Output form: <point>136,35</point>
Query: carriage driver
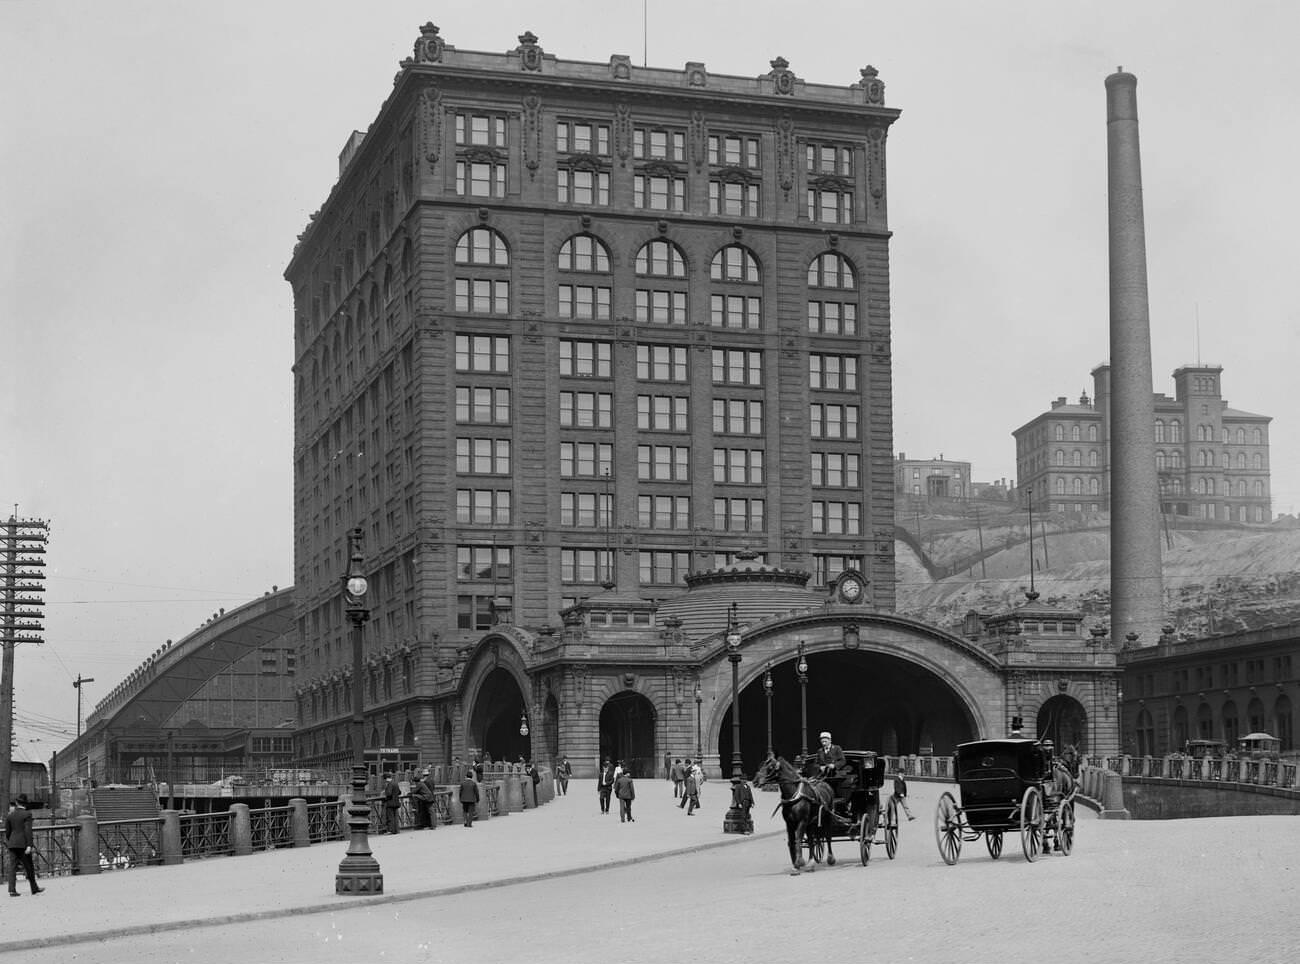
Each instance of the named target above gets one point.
<point>830,758</point>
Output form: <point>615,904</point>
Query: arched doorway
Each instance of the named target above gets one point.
<point>627,732</point>
<point>1064,721</point>
<point>867,700</point>
<point>494,723</point>
<point>1182,730</point>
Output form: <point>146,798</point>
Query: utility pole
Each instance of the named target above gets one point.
<point>22,548</point>
<point>78,683</point>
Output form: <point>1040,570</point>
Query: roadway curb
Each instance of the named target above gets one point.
<point>348,903</point>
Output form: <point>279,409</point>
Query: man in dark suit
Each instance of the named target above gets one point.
<point>605,784</point>
<point>392,803</point>
<point>469,796</point>
<point>830,757</point>
<point>626,793</point>
<point>19,839</point>
<point>422,792</point>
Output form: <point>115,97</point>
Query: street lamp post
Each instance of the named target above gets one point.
<point>699,745</point>
<point>801,670</point>
<point>767,691</point>
<point>523,731</point>
<point>359,871</point>
<point>737,819</point>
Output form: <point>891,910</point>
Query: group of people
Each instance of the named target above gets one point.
<point>686,778</point>
<point>423,792</point>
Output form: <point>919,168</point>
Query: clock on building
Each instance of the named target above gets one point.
<point>850,588</point>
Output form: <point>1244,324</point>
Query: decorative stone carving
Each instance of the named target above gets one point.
<point>782,76</point>
<point>429,47</point>
<point>694,74</point>
<point>697,138</point>
<point>532,133</point>
<point>785,154</point>
<point>876,164</point>
<point>623,133</point>
<point>530,54</point>
<point>872,88</point>
<point>431,126</point>
<point>620,67</point>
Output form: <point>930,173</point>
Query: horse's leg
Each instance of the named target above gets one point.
<point>796,846</point>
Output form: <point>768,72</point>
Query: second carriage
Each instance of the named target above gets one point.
<point>858,813</point>
<point>1007,786</point>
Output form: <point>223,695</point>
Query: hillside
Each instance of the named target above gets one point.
<point>1217,578</point>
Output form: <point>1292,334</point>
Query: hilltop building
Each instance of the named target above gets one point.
<point>1211,459</point>
<point>937,478</point>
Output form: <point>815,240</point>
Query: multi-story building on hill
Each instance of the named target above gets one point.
<point>1211,459</point>
<point>938,478</point>
<point>597,357</point>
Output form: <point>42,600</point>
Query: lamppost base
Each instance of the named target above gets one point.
<point>737,821</point>
<point>359,871</point>
<point>361,878</point>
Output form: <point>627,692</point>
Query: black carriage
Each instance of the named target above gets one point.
<point>857,810</point>
<point>1006,786</point>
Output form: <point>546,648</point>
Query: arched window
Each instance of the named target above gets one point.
<point>1241,460</point>
<point>1076,457</point>
<point>1258,436</point>
<point>736,299</point>
<point>408,259</point>
<point>1092,458</point>
<point>1078,486</point>
<point>1209,487</point>
<point>1259,487</point>
<point>584,254</point>
<point>1160,430</point>
<point>1175,431</point>
<point>1092,433</point>
<point>1060,486</point>
<point>832,296</point>
<point>1075,433</point>
<point>1175,459</point>
<point>482,283</point>
<point>1058,434</point>
<point>1241,436</point>
<point>1160,460</point>
<point>1257,461</point>
<point>661,284</point>
<point>1146,733</point>
<point>1060,456</point>
<point>1241,487</point>
<point>1094,487</point>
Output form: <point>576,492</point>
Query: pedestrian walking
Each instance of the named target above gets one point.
<point>690,790</point>
<point>392,799</point>
<point>900,793</point>
<point>605,785</point>
<point>562,773</point>
<point>678,775</point>
<point>423,794</point>
<point>19,839</point>
<point>626,793</point>
<point>469,796</point>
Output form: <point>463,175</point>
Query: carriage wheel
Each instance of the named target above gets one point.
<point>993,840</point>
<point>947,828</point>
<point>864,838</point>
<point>1031,824</point>
<point>1065,827</point>
<point>891,828</point>
<point>815,849</point>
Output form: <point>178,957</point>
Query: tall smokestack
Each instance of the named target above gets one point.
<point>1136,580</point>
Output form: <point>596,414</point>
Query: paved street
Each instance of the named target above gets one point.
<point>1181,891</point>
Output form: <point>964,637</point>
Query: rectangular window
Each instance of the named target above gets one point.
<point>663,568</point>
<point>829,159</point>
<point>488,130</point>
<point>482,506</point>
<point>588,460</point>
<point>736,311</point>
<point>836,470</point>
<point>737,416</point>
<point>738,466</point>
<point>584,301</point>
<point>737,366</point>
<point>481,178</point>
<point>661,307</point>
<point>833,421</point>
<point>655,192</point>
<point>662,413</point>
<point>482,353</point>
<point>586,565</point>
<point>832,318</point>
<point>833,372</point>
<point>826,569</point>
<point>586,509</point>
<point>482,406</point>
<point>735,198</point>
<point>661,363</point>
<point>586,409</point>
<point>738,515</point>
<point>733,150</point>
<point>586,359</point>
<point>582,137</point>
<point>663,463</point>
<point>474,612</point>
<point>664,511</point>
<point>582,187</point>
<point>837,518</point>
<point>484,296</point>
<point>483,456</point>
<point>649,144</point>
<point>483,563</point>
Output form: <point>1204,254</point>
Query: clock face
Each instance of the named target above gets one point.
<point>851,589</point>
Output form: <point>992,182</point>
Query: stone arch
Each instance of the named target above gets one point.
<point>408,734</point>
<point>627,727</point>
<point>1063,720</point>
<point>494,697</point>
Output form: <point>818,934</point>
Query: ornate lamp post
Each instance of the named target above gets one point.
<point>767,691</point>
<point>801,671</point>
<point>359,871</point>
<point>736,820</point>
<point>699,745</point>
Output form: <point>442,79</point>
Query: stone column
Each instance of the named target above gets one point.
<point>171,837</point>
<point>87,844</point>
<point>1136,579</point>
<point>241,830</point>
<point>299,828</point>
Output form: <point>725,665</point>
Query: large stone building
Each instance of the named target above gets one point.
<point>937,478</point>
<point>597,356</point>
<point>1211,459</point>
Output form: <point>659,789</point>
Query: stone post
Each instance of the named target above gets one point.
<point>457,810</point>
<point>241,830</point>
<point>171,837</point>
<point>299,827</point>
<point>87,844</point>
<point>512,796</point>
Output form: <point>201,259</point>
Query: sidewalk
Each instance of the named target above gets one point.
<point>568,835</point>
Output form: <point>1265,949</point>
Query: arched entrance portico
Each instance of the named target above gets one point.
<point>1063,720</point>
<point>494,720</point>
<point>627,732</point>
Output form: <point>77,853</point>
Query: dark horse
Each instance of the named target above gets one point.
<point>808,806</point>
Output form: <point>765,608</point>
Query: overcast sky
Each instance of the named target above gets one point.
<point>158,159</point>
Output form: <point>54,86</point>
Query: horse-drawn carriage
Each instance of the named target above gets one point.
<point>1007,786</point>
<point>842,807</point>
